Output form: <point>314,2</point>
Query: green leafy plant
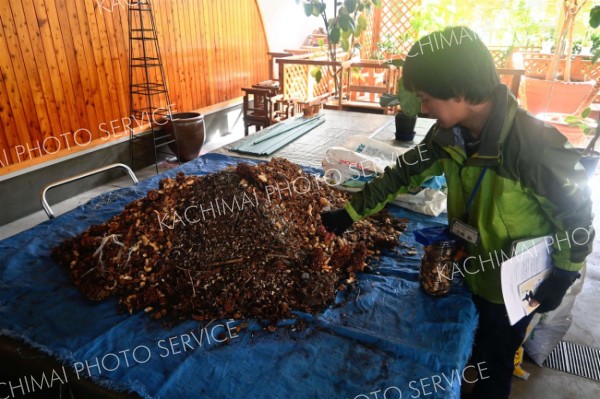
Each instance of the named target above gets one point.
<point>343,29</point>
<point>594,23</point>
<point>409,103</point>
<point>577,46</point>
<point>581,121</point>
<point>595,44</point>
<point>526,30</point>
<point>584,123</point>
<point>385,47</point>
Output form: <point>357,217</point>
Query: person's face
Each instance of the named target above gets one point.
<point>448,113</point>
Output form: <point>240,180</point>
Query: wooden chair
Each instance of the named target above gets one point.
<point>283,109</point>
<point>366,81</point>
<point>258,108</point>
<point>263,106</point>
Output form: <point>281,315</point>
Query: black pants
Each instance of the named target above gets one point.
<point>496,342</point>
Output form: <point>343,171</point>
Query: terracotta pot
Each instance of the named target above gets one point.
<point>308,111</point>
<point>556,96</point>
<point>573,133</point>
<point>405,127</point>
<point>189,129</point>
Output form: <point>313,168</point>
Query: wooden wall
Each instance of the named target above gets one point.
<point>64,68</point>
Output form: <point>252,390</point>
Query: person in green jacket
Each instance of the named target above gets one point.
<point>510,177</point>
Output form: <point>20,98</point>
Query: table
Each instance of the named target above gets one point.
<point>386,133</point>
<point>309,150</point>
<point>387,335</point>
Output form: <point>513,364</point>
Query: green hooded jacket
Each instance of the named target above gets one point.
<point>533,186</point>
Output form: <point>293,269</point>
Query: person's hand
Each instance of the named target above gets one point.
<point>336,221</point>
<point>550,293</point>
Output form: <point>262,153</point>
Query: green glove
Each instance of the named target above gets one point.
<point>336,221</point>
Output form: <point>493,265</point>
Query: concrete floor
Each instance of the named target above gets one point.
<point>542,383</point>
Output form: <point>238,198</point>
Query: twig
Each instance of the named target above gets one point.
<point>88,272</point>
<point>277,256</point>
<point>227,262</point>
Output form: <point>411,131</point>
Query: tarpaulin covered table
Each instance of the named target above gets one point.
<point>386,335</point>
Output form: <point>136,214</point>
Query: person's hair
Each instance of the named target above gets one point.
<point>451,63</point>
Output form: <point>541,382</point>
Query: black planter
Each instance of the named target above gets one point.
<point>589,162</point>
<point>405,127</point>
<point>189,127</point>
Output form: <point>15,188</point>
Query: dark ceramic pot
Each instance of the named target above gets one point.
<point>405,127</point>
<point>589,162</point>
<point>188,127</point>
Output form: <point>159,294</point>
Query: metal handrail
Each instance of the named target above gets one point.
<point>61,182</point>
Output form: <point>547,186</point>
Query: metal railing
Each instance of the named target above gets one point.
<point>80,176</point>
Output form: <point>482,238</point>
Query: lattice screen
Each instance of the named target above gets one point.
<point>300,85</point>
<point>588,71</point>
<point>536,65</point>
<point>296,78</point>
<point>395,20</point>
<point>326,85</point>
<point>367,41</point>
<point>500,56</point>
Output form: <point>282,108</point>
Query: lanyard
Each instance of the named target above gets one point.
<point>475,189</point>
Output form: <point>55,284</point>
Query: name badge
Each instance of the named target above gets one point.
<point>464,231</point>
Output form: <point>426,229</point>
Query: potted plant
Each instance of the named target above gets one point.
<point>573,127</point>
<point>410,105</point>
<point>550,94</point>
<point>590,157</point>
<point>576,127</point>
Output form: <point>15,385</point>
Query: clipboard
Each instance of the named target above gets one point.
<point>522,274</point>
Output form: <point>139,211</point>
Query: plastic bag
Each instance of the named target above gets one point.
<point>427,201</point>
<point>546,330</point>
<point>364,156</point>
<point>361,159</point>
<point>430,235</point>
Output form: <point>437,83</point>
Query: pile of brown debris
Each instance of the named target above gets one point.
<point>244,242</point>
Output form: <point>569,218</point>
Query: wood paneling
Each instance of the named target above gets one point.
<point>64,68</point>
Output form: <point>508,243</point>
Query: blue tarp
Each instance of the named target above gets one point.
<point>387,335</point>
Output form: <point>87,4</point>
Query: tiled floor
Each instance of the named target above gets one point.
<point>543,383</point>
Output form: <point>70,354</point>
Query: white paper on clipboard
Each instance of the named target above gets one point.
<point>523,273</point>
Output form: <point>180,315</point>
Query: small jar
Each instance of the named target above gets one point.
<point>435,275</point>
